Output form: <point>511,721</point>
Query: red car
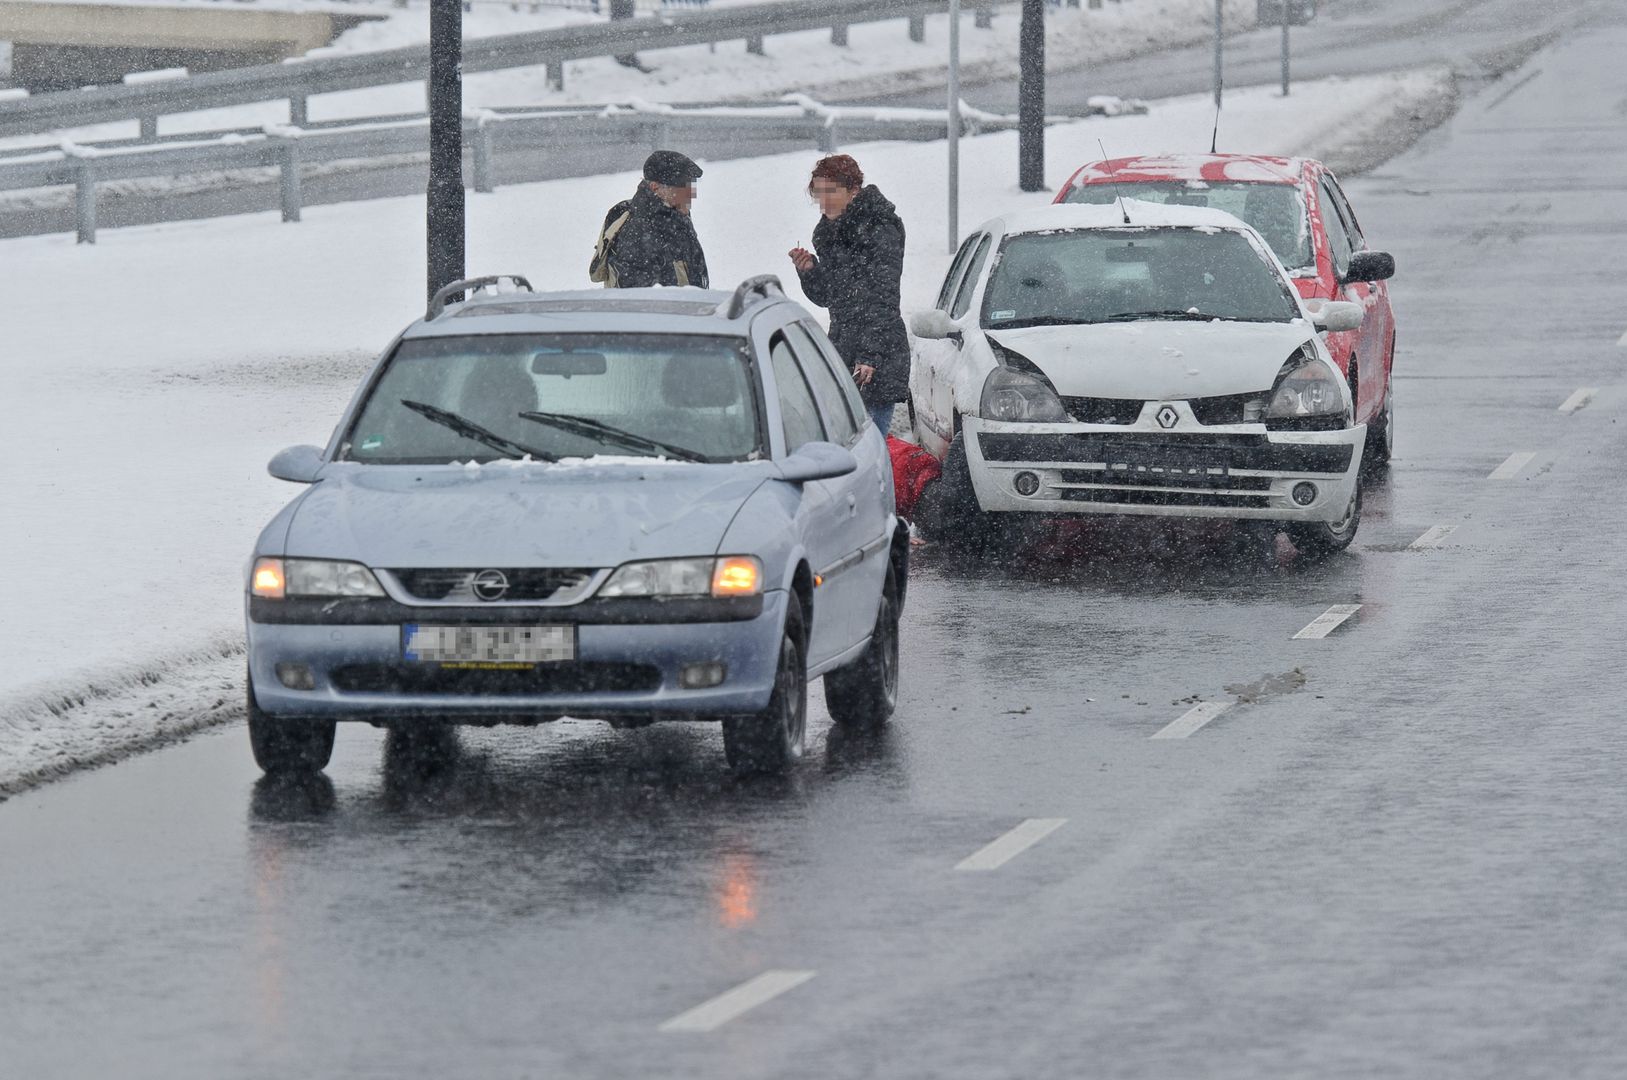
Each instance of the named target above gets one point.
<point>1296,204</point>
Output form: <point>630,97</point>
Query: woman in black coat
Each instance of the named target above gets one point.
<point>856,271</point>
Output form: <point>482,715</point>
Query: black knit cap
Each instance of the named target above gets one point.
<point>671,168</point>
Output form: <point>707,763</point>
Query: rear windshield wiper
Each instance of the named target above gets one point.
<point>594,429</point>
<point>471,430</point>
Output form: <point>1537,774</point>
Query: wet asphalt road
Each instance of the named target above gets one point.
<point>1398,853</point>
<point>1471,36</point>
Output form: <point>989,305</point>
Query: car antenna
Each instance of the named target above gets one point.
<point>1118,192</point>
<point>1214,138</point>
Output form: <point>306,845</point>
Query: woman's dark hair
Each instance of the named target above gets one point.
<point>840,169</point>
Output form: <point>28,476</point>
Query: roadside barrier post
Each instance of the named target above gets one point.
<point>288,154</point>
<point>85,202</point>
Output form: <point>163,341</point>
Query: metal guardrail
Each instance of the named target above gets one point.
<point>488,136</point>
<point>300,78</point>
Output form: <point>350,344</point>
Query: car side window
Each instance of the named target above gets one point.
<point>798,414</point>
<point>839,422</point>
<point>1346,211</point>
<point>1338,236</point>
<point>968,284</point>
<point>844,376</point>
<point>956,268</point>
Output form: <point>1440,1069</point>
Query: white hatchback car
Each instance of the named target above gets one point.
<point>1134,359</point>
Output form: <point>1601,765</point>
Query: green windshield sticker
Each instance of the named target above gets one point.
<point>372,442</point>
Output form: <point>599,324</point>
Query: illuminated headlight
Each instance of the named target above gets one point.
<point>275,579</point>
<point>1308,390</point>
<point>1016,397</point>
<point>732,575</point>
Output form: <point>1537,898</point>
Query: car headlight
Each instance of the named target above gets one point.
<point>731,575</point>
<point>276,579</point>
<point>1017,397</point>
<point>1309,395</point>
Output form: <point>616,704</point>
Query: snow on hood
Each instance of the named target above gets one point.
<point>581,515</point>
<point>1159,361</point>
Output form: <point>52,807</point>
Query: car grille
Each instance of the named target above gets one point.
<point>1094,410</point>
<point>1166,488</point>
<point>1122,479</point>
<point>524,585</point>
<point>577,678</point>
<point>1247,452</point>
<point>1213,411</point>
<point>1133,497</point>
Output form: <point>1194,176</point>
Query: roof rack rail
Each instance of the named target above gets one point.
<point>443,295</point>
<point>763,285</point>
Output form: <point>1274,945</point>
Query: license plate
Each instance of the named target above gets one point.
<point>488,645</point>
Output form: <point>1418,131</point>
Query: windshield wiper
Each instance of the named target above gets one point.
<point>471,430</point>
<point>594,429</point>
<point>1037,320</point>
<point>1189,314</point>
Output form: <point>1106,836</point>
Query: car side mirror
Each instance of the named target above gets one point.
<point>1370,266</point>
<point>1338,316</point>
<point>817,461</point>
<point>297,464</point>
<point>934,325</point>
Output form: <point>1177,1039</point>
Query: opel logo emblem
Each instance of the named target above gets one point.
<point>1168,417</point>
<point>490,584</point>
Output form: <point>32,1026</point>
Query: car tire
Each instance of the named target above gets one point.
<point>1381,433</point>
<point>769,743</point>
<point>956,520</point>
<point>862,695</point>
<point>286,747</point>
<point>1325,537</point>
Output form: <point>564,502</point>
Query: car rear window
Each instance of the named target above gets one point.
<point>690,392</point>
<point>1275,211</point>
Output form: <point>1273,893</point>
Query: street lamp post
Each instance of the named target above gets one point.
<point>1284,48</point>
<point>954,125</point>
<point>445,217</point>
<point>1031,98</point>
<point>1220,46</point>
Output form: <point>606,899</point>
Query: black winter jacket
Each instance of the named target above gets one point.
<point>857,277</point>
<point>657,246</point>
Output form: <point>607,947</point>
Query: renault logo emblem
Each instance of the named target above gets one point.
<point>1168,417</point>
<point>490,584</point>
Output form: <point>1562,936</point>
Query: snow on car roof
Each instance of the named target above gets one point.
<point>671,310</point>
<point>1110,216</point>
<point>1194,168</point>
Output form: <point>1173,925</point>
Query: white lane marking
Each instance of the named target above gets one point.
<point>1193,719</point>
<point>711,1015</point>
<point>1327,622</point>
<point>1012,844</point>
<point>1511,468</point>
<point>1579,399</point>
<point>1434,538</point>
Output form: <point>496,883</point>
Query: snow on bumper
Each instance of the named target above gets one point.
<point>621,670</point>
<point>1216,472</point>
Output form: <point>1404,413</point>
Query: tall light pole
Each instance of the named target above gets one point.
<point>445,218</point>
<point>1284,48</point>
<point>1220,38</point>
<point>1031,98</point>
<point>954,125</point>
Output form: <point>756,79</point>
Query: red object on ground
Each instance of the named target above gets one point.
<point>913,470</point>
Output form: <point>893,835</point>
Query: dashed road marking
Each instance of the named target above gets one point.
<point>1327,622</point>
<point>711,1015</point>
<point>1012,844</point>
<point>1511,468</point>
<point>1579,399</point>
<point>1434,538</point>
<point>1193,719</point>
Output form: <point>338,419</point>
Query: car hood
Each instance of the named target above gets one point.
<point>502,514</point>
<point>1152,361</point>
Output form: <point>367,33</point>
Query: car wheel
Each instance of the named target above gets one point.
<point>1325,537</point>
<point>863,695</point>
<point>956,520</point>
<point>288,746</point>
<point>771,742</point>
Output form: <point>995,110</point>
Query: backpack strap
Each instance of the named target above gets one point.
<point>599,269</point>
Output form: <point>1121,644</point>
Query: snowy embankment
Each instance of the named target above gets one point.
<point>149,379</point>
<point>879,58</point>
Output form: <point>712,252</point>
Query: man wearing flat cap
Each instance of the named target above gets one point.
<point>650,239</point>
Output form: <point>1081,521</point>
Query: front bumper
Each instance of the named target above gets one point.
<point>1237,472</point>
<point>625,669</point>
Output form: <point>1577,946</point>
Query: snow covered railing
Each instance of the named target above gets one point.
<point>301,78</point>
<point>489,134</point>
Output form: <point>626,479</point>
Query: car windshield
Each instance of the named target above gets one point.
<point>1067,276</point>
<point>1275,211</point>
<point>560,395</point>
